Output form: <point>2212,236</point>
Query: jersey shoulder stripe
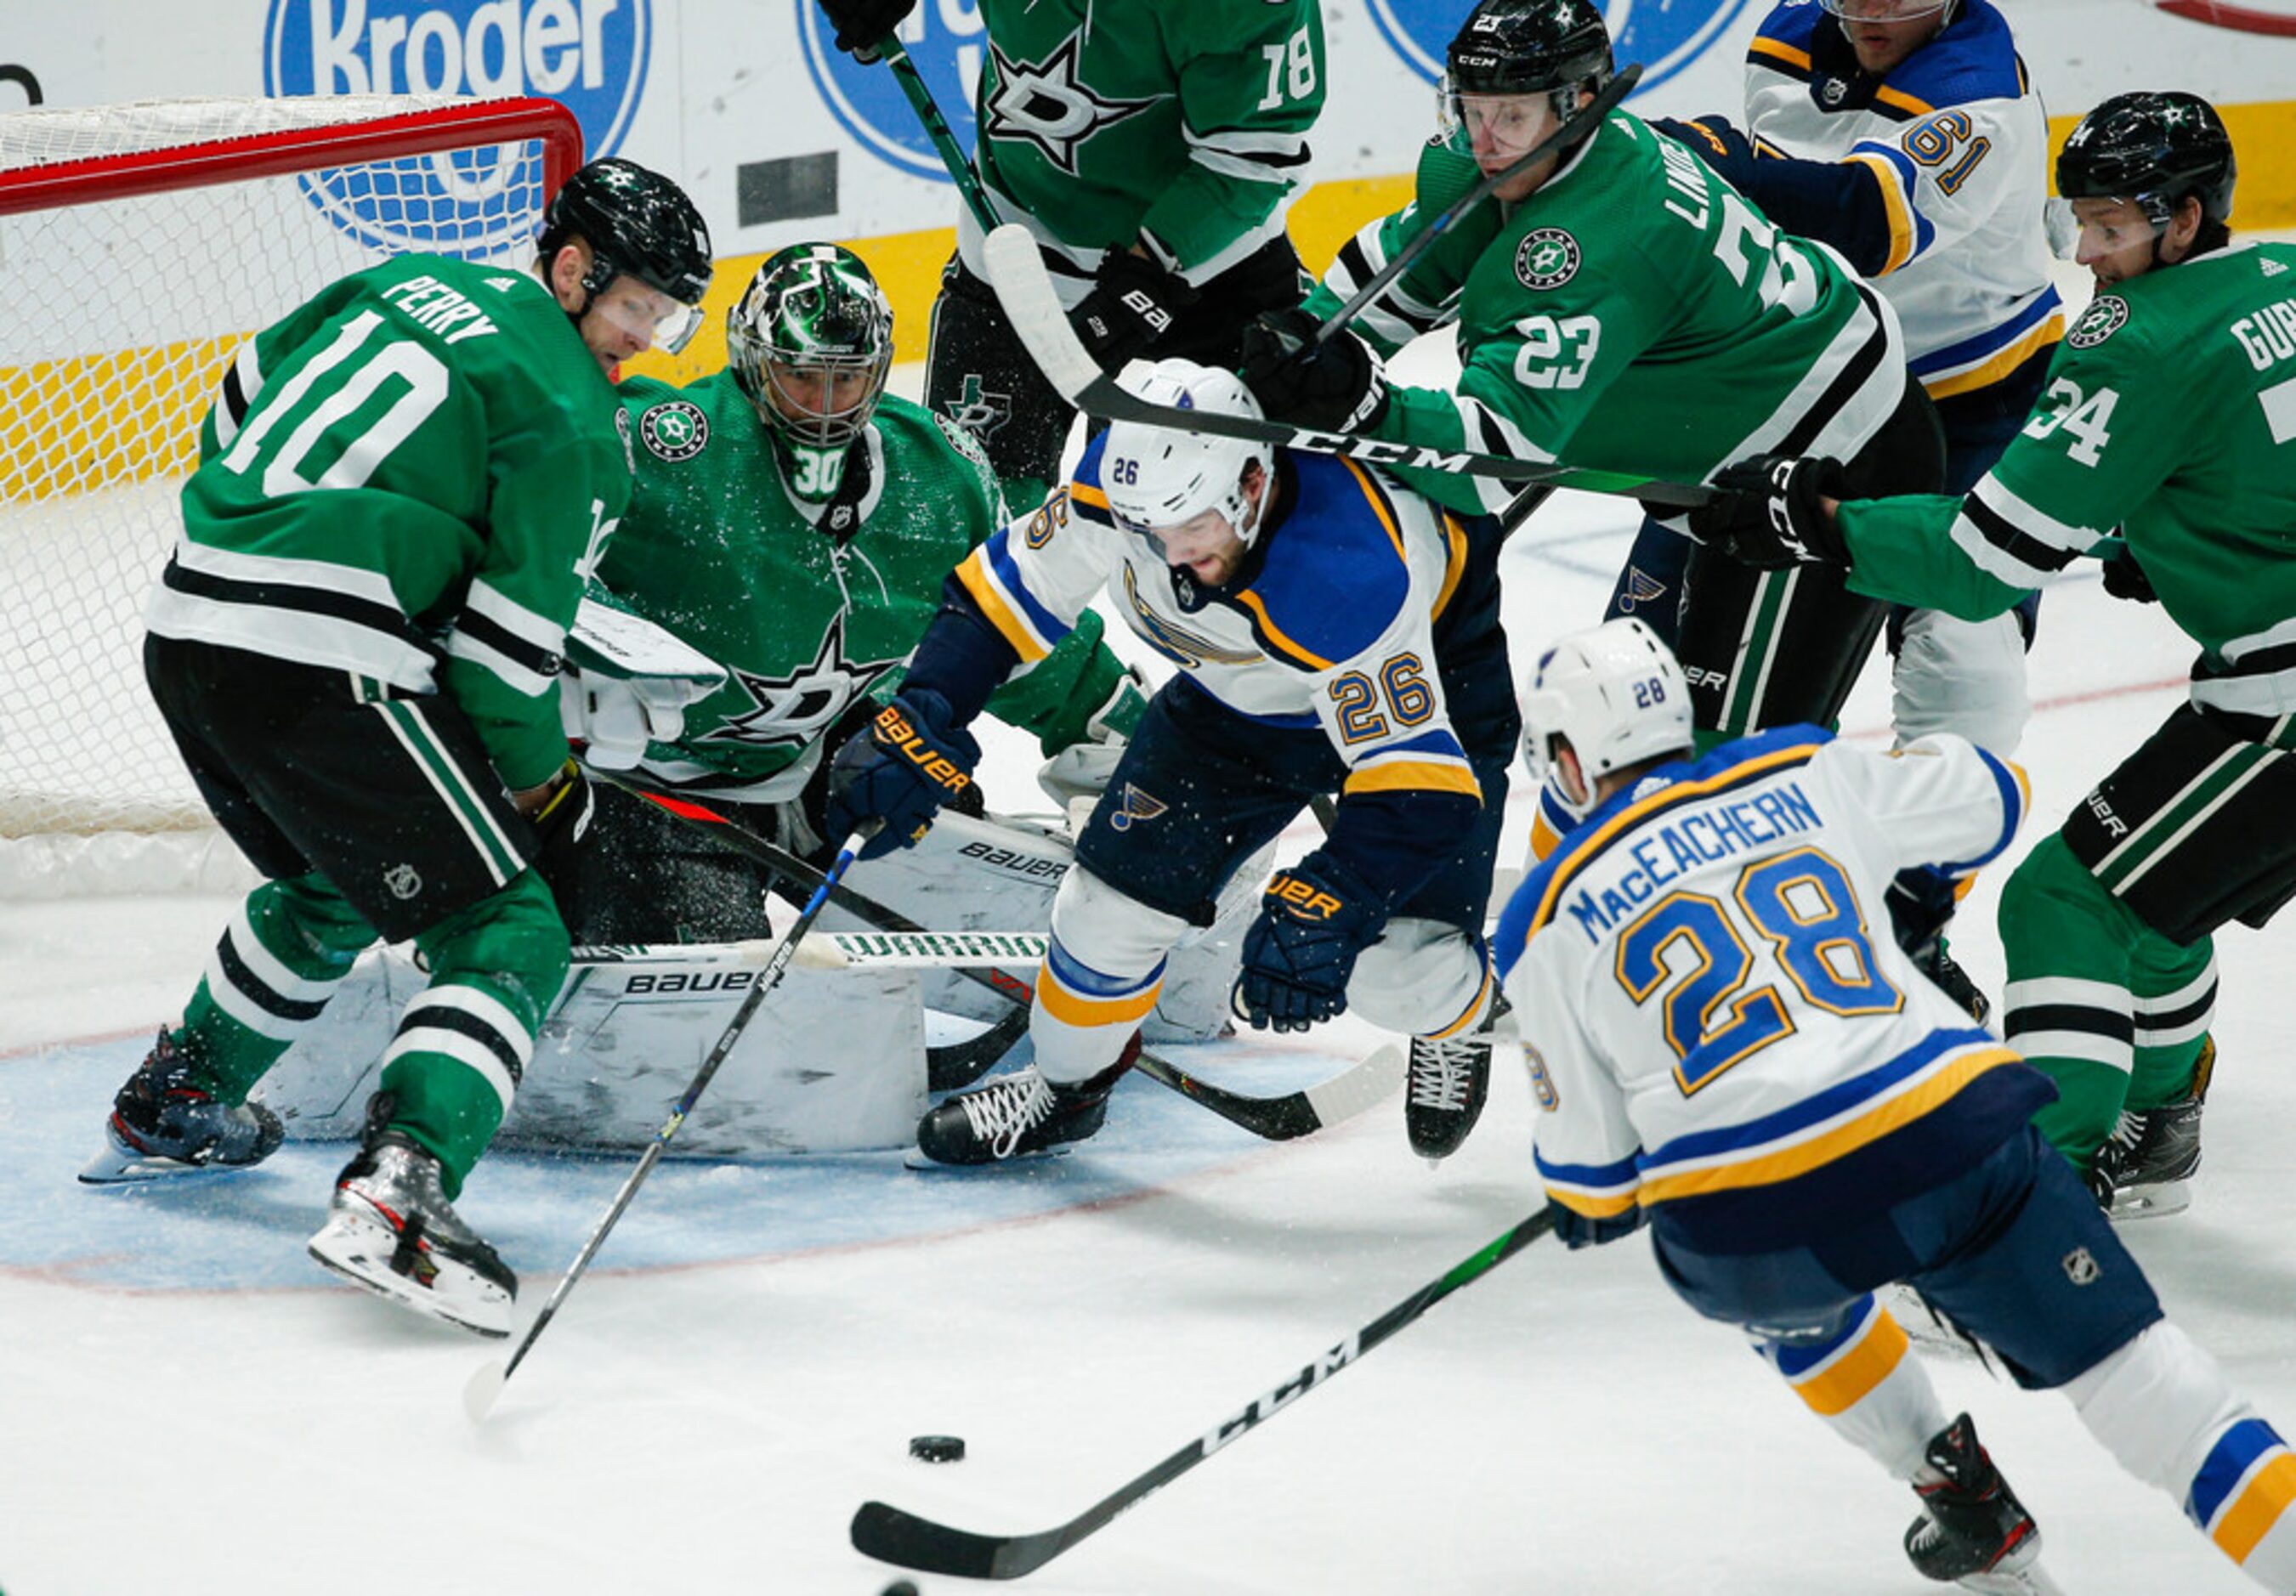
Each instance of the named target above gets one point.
<point>1336,573</point>
<point>1975,59</point>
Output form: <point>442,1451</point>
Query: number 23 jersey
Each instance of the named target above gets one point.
<point>1720,1030</point>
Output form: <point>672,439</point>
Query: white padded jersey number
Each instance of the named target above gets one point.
<point>347,387</point>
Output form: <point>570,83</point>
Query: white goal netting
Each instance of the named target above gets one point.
<point>139,244</point>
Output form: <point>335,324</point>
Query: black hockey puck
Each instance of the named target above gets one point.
<point>901,1587</point>
<point>938,1449</point>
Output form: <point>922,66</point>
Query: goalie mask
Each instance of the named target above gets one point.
<point>1615,695</point>
<point>1155,477</point>
<point>811,343</point>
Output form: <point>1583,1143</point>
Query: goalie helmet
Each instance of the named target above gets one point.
<point>1524,47</point>
<point>811,343</point>
<point>638,223</point>
<point>1157,477</point>
<point>1614,694</point>
<point>2152,149</point>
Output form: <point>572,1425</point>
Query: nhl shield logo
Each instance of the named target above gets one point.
<point>675,431</point>
<point>403,881</point>
<point>2104,316</point>
<point>2081,1267</point>
<point>1547,258</point>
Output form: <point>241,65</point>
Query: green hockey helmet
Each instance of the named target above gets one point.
<point>2153,150</point>
<point>811,343</point>
<point>638,223</point>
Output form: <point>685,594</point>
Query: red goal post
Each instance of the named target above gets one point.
<point>140,244</point>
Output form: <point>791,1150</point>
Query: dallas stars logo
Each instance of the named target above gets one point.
<point>796,708</point>
<point>1042,103</point>
<point>977,411</point>
<point>1547,258</point>
<point>675,431</point>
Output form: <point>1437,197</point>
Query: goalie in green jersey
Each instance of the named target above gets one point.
<point>788,533</point>
<point>2165,444</point>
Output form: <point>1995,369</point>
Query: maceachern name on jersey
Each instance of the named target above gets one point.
<point>1678,848</point>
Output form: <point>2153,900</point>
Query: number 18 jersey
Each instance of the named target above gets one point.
<point>1720,1030</point>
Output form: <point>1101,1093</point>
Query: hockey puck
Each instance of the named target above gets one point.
<point>901,1587</point>
<point>938,1449</point>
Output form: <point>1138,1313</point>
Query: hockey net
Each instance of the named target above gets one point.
<point>139,244</point>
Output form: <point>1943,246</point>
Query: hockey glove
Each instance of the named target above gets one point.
<point>911,761</point>
<point>1132,304</point>
<point>1765,514</point>
<point>567,805</point>
<point>1314,919</point>
<point>2124,578</point>
<point>1715,142</point>
<point>1335,386</point>
<point>861,24</point>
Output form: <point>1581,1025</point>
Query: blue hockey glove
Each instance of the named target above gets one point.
<point>1314,919</point>
<point>1337,386</point>
<point>1717,143</point>
<point>1131,306</point>
<point>910,762</point>
<point>1764,512</point>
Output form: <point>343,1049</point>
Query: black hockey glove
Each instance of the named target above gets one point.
<point>1764,512</point>
<point>2124,578</point>
<point>1717,142</point>
<point>862,24</point>
<point>1131,306</point>
<point>1314,919</point>
<point>1336,386</point>
<point>912,760</point>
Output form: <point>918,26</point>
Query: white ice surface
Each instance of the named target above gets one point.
<point>706,1411</point>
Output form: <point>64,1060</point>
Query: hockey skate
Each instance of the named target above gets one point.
<point>392,1230</point>
<point>1447,1080</point>
<point>2144,1169</point>
<point>163,1123</point>
<point>1019,1113</point>
<point>1973,1532</point>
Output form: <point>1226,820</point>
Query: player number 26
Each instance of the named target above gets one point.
<point>1687,952</point>
<point>1401,684</point>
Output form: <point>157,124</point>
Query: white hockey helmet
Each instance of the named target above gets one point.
<point>1615,694</point>
<point>1158,477</point>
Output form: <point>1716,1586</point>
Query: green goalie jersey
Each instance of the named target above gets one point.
<point>1635,315</point>
<point>2171,414</point>
<point>1179,123</point>
<point>715,550</point>
<point>401,480</point>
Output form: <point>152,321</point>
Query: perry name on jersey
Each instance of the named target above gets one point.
<point>1956,141</point>
<point>1719,1038</point>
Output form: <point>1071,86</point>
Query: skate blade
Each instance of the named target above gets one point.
<point>116,1166</point>
<point>2152,1202</point>
<point>913,1159</point>
<point>2031,1580</point>
<point>360,1251</point>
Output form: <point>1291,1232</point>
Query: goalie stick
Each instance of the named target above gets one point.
<point>893,1536</point>
<point>486,1383</point>
<point>1281,1118</point>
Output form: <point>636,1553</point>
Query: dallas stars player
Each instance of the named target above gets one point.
<point>1151,146</point>
<point>2171,414</point>
<point>793,522</point>
<point>1619,306</point>
<point>356,645</point>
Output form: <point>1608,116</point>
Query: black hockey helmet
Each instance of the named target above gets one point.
<point>1521,46</point>
<point>638,223</point>
<point>2153,149</point>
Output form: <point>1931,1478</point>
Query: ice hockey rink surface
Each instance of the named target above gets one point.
<point>190,1405</point>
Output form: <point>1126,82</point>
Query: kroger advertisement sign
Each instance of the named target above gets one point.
<point>590,55</point>
<point>945,40</point>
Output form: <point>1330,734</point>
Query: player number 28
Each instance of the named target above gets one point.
<point>1687,946</point>
<point>1401,684</point>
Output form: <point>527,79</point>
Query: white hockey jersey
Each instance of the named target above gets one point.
<point>1958,142</point>
<point>1330,623</point>
<point>1720,1030</point>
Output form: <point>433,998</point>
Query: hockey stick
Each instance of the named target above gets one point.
<point>486,1383</point>
<point>1016,271</point>
<point>1581,126</point>
<point>936,126</point>
<point>892,1536</point>
<point>844,950</point>
<point>1282,1118</point>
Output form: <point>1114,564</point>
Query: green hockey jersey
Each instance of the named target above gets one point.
<point>1635,315</point>
<point>1178,123</point>
<point>2170,413</point>
<point>403,480</point>
<point>716,551</point>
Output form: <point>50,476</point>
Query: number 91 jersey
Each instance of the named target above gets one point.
<point>1720,1030</point>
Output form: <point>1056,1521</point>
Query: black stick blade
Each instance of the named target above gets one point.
<point>892,1536</point>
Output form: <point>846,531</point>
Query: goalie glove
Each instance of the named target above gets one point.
<point>1315,920</point>
<point>627,683</point>
<point>1767,512</point>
